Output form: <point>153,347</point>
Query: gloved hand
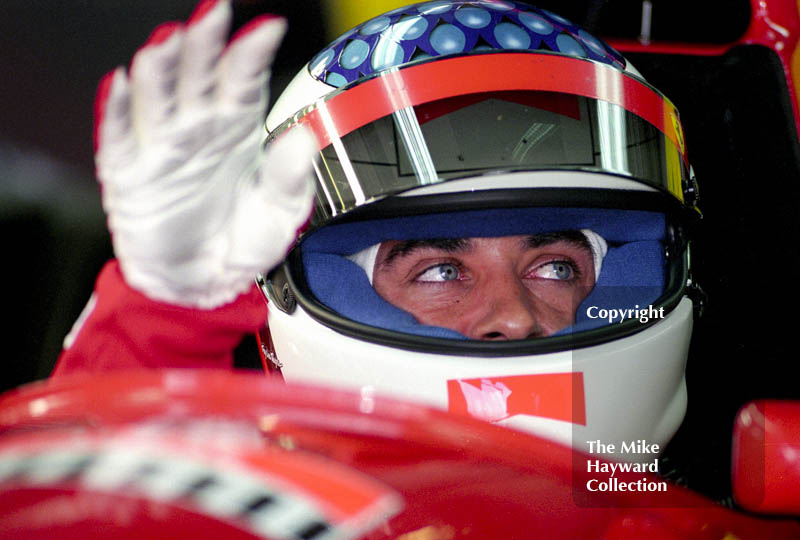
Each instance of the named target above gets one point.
<point>195,207</point>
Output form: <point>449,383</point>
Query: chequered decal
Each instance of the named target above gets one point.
<point>232,495</point>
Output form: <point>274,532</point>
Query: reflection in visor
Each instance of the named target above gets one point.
<point>496,131</point>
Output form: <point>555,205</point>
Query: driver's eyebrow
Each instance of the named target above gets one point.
<point>576,238</point>
<point>407,247</point>
<point>460,245</point>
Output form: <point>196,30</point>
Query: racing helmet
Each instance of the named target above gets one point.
<point>484,119</point>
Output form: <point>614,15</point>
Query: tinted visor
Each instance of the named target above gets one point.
<point>481,114</point>
<point>485,133</point>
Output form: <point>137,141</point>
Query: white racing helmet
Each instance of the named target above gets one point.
<point>454,119</point>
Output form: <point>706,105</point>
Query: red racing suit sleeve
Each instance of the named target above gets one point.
<point>121,328</point>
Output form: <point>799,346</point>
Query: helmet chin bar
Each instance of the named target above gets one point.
<point>643,371</point>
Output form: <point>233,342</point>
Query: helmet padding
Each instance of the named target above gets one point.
<point>632,273</point>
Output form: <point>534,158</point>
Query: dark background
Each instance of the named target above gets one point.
<point>739,131</point>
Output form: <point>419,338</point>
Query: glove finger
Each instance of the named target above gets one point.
<point>154,73</point>
<point>245,63</point>
<point>288,162</point>
<point>112,120</point>
<point>116,146</point>
<point>206,35</point>
<point>278,205</point>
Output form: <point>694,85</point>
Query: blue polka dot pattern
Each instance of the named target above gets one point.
<point>537,23</point>
<point>434,8</point>
<point>448,39</point>
<point>387,53</point>
<point>498,4</point>
<point>473,17</point>
<point>511,36</point>
<point>374,26</point>
<point>409,28</point>
<point>445,27</point>
<point>334,79</point>
<point>592,42</point>
<point>321,61</point>
<point>567,44</point>
<point>354,54</point>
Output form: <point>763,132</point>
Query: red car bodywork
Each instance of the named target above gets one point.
<point>369,468</point>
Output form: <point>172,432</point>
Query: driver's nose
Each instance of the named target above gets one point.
<point>505,311</point>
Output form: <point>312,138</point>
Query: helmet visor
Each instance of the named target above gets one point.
<point>486,133</point>
<point>427,124</point>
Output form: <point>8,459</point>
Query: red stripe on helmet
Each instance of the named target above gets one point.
<point>346,111</point>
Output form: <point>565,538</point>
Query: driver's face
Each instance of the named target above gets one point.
<point>502,288</point>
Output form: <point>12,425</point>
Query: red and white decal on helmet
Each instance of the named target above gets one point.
<point>559,396</point>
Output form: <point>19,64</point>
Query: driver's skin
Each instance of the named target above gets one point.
<point>501,288</point>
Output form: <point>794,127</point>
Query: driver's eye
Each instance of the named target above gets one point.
<point>440,272</point>
<point>560,270</point>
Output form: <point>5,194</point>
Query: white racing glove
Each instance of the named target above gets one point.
<point>195,207</point>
